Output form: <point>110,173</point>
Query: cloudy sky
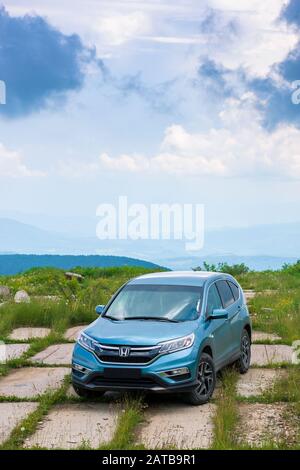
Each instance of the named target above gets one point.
<point>162,101</point>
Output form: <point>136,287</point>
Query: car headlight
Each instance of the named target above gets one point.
<point>177,344</point>
<point>86,342</point>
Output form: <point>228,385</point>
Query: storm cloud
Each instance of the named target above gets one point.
<point>38,63</point>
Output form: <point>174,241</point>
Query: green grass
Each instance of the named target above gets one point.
<point>131,415</point>
<point>226,416</point>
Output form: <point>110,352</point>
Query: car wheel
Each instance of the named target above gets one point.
<point>206,382</point>
<point>84,393</point>
<point>243,362</point>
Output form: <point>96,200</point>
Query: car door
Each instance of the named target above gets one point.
<point>219,329</point>
<point>232,307</point>
<point>236,322</point>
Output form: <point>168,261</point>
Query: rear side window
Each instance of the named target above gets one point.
<point>235,290</point>
<point>225,293</point>
<point>213,300</point>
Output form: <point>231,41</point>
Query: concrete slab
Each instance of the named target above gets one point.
<point>249,294</point>
<point>258,381</point>
<point>263,423</point>
<point>70,426</point>
<point>22,334</point>
<point>13,351</point>
<point>29,382</point>
<point>72,333</point>
<point>263,355</point>
<point>59,354</point>
<point>262,336</point>
<point>178,426</point>
<point>11,414</point>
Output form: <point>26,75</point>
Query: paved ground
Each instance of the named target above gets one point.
<point>263,423</point>
<point>57,354</point>
<point>178,425</point>
<point>24,334</point>
<point>72,333</point>
<point>257,381</point>
<point>29,382</point>
<point>13,351</point>
<point>11,414</point>
<point>261,336</point>
<point>70,426</point>
<point>264,355</point>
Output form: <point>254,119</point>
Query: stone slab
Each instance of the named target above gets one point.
<point>29,333</point>
<point>13,351</point>
<point>177,425</point>
<point>56,354</point>
<point>29,382</point>
<point>262,336</point>
<point>257,381</point>
<point>72,333</point>
<point>11,414</point>
<point>74,425</point>
<point>249,294</point>
<point>264,423</point>
<point>266,354</point>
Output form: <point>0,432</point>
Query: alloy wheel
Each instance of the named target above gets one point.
<point>245,350</point>
<point>205,379</point>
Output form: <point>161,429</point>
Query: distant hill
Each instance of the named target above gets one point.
<point>256,263</point>
<point>14,264</point>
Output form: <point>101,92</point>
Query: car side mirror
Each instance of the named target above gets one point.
<point>99,309</point>
<point>218,313</point>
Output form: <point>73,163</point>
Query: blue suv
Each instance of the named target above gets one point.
<point>165,332</point>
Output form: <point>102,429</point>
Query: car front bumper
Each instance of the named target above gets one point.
<point>99,376</point>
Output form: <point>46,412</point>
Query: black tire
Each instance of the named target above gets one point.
<point>243,363</point>
<point>84,393</point>
<point>206,382</point>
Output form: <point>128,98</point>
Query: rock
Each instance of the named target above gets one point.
<point>4,292</point>
<point>69,275</point>
<point>22,297</point>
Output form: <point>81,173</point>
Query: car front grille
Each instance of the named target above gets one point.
<point>135,354</point>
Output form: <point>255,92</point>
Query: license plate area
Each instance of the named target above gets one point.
<point>122,373</point>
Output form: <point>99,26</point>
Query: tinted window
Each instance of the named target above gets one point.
<point>213,300</point>
<point>235,290</point>
<point>225,293</point>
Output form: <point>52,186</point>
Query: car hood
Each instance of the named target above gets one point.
<point>138,332</point>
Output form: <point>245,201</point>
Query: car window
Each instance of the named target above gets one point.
<point>225,293</point>
<point>235,290</point>
<point>213,300</point>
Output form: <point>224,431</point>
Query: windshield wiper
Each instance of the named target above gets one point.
<point>111,318</point>
<point>151,318</point>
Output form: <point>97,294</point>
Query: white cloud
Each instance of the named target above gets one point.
<point>249,35</point>
<point>12,166</point>
<point>239,147</point>
<point>118,29</point>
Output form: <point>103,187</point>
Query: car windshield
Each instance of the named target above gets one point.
<point>156,302</point>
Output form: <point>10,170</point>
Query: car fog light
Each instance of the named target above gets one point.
<point>175,372</point>
<point>80,368</point>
